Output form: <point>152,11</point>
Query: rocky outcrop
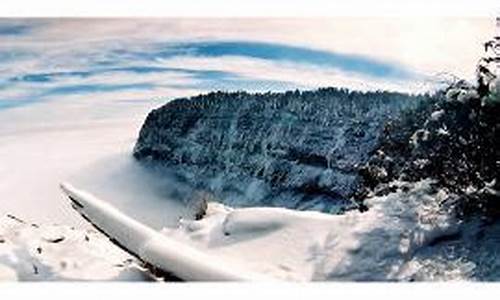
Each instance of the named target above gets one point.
<point>296,149</point>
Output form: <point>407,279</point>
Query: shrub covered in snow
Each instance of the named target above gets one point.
<point>454,140</point>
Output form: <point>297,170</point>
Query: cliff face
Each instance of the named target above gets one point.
<point>298,150</point>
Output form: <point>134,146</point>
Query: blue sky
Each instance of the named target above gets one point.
<point>13,29</point>
<point>142,59</point>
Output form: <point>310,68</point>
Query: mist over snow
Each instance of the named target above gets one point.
<point>74,92</point>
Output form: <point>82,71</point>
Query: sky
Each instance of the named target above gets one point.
<point>140,59</point>
<point>75,92</point>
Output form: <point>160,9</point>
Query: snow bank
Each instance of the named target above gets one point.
<point>274,243</point>
<point>298,245</point>
<point>163,253</point>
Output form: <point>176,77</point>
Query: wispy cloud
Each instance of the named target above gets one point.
<point>273,52</point>
<point>284,53</point>
<point>14,29</point>
<point>54,76</point>
<point>14,55</point>
<point>95,88</point>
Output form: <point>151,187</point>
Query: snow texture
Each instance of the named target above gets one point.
<point>31,252</point>
<point>379,244</point>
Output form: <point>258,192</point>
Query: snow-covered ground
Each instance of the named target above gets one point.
<point>32,252</point>
<point>283,244</point>
<point>296,245</point>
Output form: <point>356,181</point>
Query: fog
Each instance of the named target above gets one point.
<point>95,156</point>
